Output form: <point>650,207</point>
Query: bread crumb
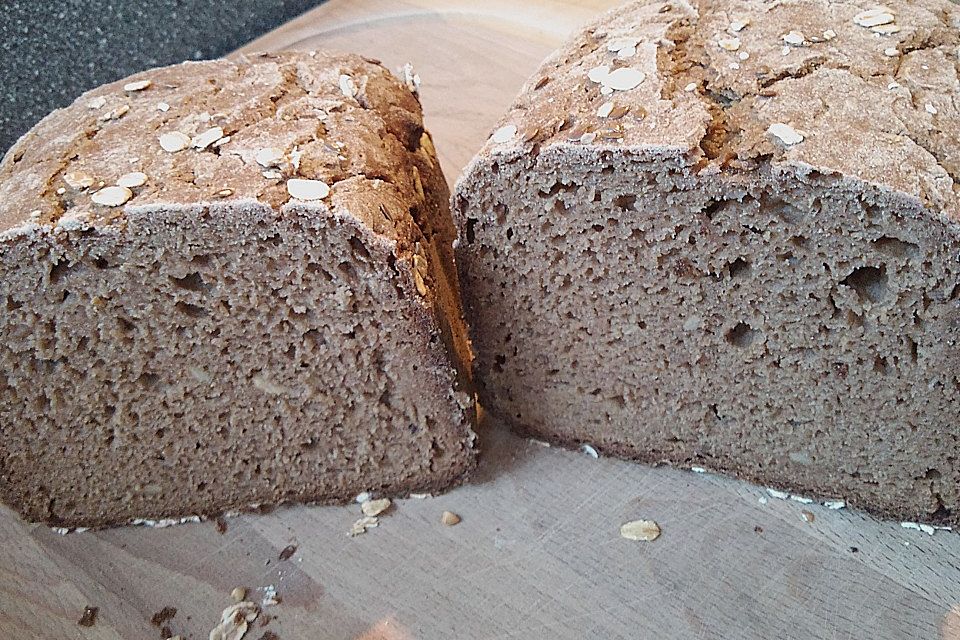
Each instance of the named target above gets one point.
<point>785,133</point>
<point>111,196</point>
<point>137,85</point>
<point>449,519</point>
<point>307,189</point>
<point>640,530</point>
<point>362,497</point>
<point>375,507</point>
<point>238,594</point>
<point>89,617</point>
<point>234,621</point>
<point>361,525</point>
<point>174,141</point>
<point>287,552</point>
<point>807,516</point>
<point>698,469</point>
<point>411,79</point>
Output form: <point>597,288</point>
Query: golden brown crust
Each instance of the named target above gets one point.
<point>876,104</point>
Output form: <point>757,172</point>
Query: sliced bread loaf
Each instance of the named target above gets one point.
<point>727,235</point>
<point>229,284</point>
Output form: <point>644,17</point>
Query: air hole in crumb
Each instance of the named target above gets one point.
<point>788,212</point>
<point>471,230</point>
<point>870,283</point>
<point>741,335</point>
<point>932,474</point>
<point>189,282</point>
<point>125,325</point>
<point>148,380</point>
<point>190,310</point>
<point>359,251</point>
<point>626,202</point>
<point>200,260</point>
<point>598,228</point>
<point>103,263</point>
<point>895,247</point>
<point>58,271</point>
<point>739,268</point>
<point>712,208</point>
<point>798,241</point>
<point>509,233</point>
<point>13,305</point>
<point>914,349</point>
<point>499,361</point>
<point>275,240</point>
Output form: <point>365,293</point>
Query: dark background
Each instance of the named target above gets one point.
<point>51,52</point>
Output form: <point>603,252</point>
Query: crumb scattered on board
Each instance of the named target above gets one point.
<point>239,594</point>
<point>449,519</point>
<point>288,552</point>
<point>164,615</point>
<point>640,530</point>
<point>89,617</point>
<point>375,507</point>
<point>234,621</point>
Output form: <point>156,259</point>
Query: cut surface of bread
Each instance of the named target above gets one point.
<point>701,240</point>
<point>266,313</point>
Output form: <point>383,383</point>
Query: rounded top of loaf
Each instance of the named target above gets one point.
<point>861,90</point>
<point>317,128</point>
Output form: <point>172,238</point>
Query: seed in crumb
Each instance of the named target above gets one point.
<point>112,196</point>
<point>605,109</point>
<point>829,34</point>
<point>504,134</point>
<point>891,52</point>
<point>640,530</point>
<point>239,594</point>
<point>597,74</point>
<point>794,38</point>
<point>743,55</point>
<point>208,137</point>
<point>224,193</point>
<point>138,85</point>
<point>874,17</point>
<point>163,106</point>
<point>739,25</point>
<point>729,44</point>
<point>929,108</point>
<point>269,157</point>
<point>133,179</point>
<point>886,29</point>
<point>61,191</point>
<point>375,507</point>
<point>174,141</point>
<point>449,519</point>
<point>97,103</point>
<point>690,87</point>
<point>307,189</point>
<point>785,133</point>
<point>222,141</point>
<point>347,87</point>
<point>78,180</point>
<point>419,283</point>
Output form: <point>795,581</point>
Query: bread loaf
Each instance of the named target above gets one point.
<point>726,235</point>
<point>229,284</point>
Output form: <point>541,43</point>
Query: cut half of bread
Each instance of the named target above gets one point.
<point>229,285</point>
<point>726,235</point>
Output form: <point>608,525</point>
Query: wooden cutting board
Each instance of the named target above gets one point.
<point>538,554</point>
